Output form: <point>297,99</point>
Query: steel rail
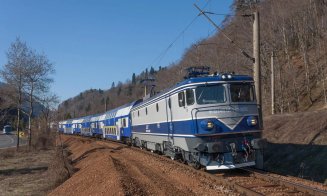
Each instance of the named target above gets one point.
<point>296,186</point>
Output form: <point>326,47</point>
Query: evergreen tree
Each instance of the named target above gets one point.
<point>146,73</point>
<point>152,71</point>
<point>129,90</point>
<point>133,79</point>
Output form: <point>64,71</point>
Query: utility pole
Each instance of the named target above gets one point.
<point>256,64</point>
<point>272,84</point>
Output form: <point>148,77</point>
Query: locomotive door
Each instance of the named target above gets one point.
<point>118,128</point>
<point>170,119</point>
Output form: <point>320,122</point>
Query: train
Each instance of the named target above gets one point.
<point>208,121</point>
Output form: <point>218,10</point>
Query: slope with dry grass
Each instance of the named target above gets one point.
<point>297,144</point>
<point>33,171</point>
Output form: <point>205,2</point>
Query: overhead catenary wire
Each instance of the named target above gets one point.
<point>159,58</point>
<point>223,33</point>
<point>164,52</point>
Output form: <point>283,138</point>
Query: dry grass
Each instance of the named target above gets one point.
<point>34,171</point>
<point>297,144</point>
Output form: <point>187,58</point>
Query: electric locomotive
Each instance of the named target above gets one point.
<point>209,121</point>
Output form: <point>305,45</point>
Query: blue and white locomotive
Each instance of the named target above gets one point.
<point>209,121</point>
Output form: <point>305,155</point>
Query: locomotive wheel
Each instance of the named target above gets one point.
<point>196,165</point>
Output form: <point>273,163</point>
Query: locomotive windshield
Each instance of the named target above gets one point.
<point>210,94</point>
<point>242,92</point>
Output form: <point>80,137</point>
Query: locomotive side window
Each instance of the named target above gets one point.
<point>210,94</point>
<point>181,99</point>
<point>146,111</point>
<point>242,92</point>
<point>189,97</point>
<point>169,103</point>
<point>157,107</point>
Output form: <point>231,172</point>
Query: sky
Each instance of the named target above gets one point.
<point>94,43</point>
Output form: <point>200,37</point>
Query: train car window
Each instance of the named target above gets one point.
<point>138,113</point>
<point>169,103</point>
<point>189,96</point>
<point>157,107</point>
<point>181,99</point>
<point>242,92</point>
<point>212,94</point>
<point>146,111</point>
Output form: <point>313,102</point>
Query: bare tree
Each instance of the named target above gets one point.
<point>6,103</point>
<point>49,102</point>
<point>14,74</point>
<point>38,81</point>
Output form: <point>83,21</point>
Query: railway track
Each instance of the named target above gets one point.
<point>250,182</point>
<point>284,184</point>
<point>245,181</point>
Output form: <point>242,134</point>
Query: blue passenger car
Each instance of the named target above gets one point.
<point>117,124</point>
<point>86,126</point>
<point>95,125</point>
<point>77,126</point>
<point>68,126</point>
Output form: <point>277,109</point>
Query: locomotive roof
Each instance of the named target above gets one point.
<point>211,78</point>
<point>120,111</point>
<point>215,78</point>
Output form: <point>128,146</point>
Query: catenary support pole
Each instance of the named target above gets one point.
<point>272,84</point>
<point>256,66</point>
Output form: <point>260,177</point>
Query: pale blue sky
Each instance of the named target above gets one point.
<point>95,43</point>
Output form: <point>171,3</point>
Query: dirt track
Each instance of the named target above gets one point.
<point>110,169</point>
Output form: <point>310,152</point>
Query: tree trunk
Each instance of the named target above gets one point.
<point>17,128</point>
<point>30,116</point>
<point>18,110</point>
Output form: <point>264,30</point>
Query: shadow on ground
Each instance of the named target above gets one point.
<point>304,161</point>
<point>8,172</point>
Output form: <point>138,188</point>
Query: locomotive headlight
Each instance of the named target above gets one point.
<point>252,121</point>
<point>210,125</point>
<point>229,76</point>
<point>223,77</point>
<point>207,124</point>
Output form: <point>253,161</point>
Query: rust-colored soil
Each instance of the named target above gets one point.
<point>112,169</point>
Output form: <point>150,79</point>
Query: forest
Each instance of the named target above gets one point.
<point>292,31</point>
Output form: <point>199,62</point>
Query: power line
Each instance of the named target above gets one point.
<point>164,52</point>
<point>159,58</point>
<point>224,34</point>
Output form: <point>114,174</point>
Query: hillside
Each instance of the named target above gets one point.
<point>295,32</point>
<point>297,144</point>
